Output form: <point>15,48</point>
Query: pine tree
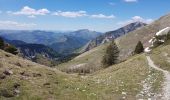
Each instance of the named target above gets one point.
<point>1,43</point>
<point>139,48</point>
<point>111,56</point>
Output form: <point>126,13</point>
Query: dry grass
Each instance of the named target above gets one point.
<point>128,42</point>
<point>39,82</point>
<point>91,60</point>
<point>161,56</point>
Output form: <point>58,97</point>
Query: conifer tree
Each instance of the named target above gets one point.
<point>111,55</point>
<point>139,48</point>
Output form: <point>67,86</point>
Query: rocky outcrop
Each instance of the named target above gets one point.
<point>160,37</point>
<point>108,36</point>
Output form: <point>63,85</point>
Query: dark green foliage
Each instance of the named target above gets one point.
<point>11,49</point>
<point>1,43</point>
<point>111,56</point>
<point>139,48</point>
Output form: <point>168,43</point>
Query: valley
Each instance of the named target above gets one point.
<point>84,50</point>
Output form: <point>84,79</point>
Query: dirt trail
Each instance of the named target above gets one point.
<point>166,87</point>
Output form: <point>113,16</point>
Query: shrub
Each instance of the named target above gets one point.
<point>11,49</point>
<point>139,48</point>
<point>111,55</point>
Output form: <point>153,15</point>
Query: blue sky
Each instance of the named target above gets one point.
<point>64,15</point>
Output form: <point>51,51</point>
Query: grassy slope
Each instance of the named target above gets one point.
<point>128,42</point>
<point>161,56</point>
<point>107,84</point>
<point>91,58</point>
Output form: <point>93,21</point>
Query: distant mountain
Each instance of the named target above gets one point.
<point>69,45</point>
<point>85,34</point>
<point>60,41</point>
<point>108,36</point>
<point>37,37</point>
<point>15,42</point>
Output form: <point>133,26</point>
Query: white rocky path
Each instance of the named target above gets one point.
<point>166,87</point>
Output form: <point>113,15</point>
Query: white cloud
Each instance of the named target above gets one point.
<point>30,12</point>
<point>131,0</point>
<point>15,25</point>
<point>0,12</point>
<point>75,14</point>
<point>103,16</point>
<point>71,14</point>
<point>136,19</point>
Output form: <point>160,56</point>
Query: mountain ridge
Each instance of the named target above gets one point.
<point>108,36</point>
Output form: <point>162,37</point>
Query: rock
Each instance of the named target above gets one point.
<point>2,76</point>
<point>16,85</point>
<point>18,64</point>
<point>8,72</point>
<point>124,93</point>
<point>56,82</point>
<point>163,31</point>
<point>50,74</point>
<point>7,55</point>
<point>16,92</point>
<point>45,84</point>
<point>51,92</point>
<point>160,37</point>
<point>37,75</point>
<point>24,74</point>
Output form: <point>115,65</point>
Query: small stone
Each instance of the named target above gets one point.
<point>16,92</point>
<point>24,74</point>
<point>124,93</point>
<point>18,64</point>
<point>56,82</point>
<point>83,90</point>
<point>46,84</point>
<point>37,75</point>
<point>8,72</point>
<point>7,55</point>
<point>123,97</point>
<point>16,85</point>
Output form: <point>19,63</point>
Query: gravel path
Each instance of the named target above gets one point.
<point>166,87</point>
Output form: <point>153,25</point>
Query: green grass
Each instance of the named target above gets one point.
<point>106,84</point>
<point>161,56</point>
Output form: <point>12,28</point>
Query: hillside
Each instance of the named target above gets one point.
<point>108,36</point>
<point>128,42</point>
<point>90,61</point>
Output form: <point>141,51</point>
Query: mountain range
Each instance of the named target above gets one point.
<point>61,42</point>
<point>111,35</point>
